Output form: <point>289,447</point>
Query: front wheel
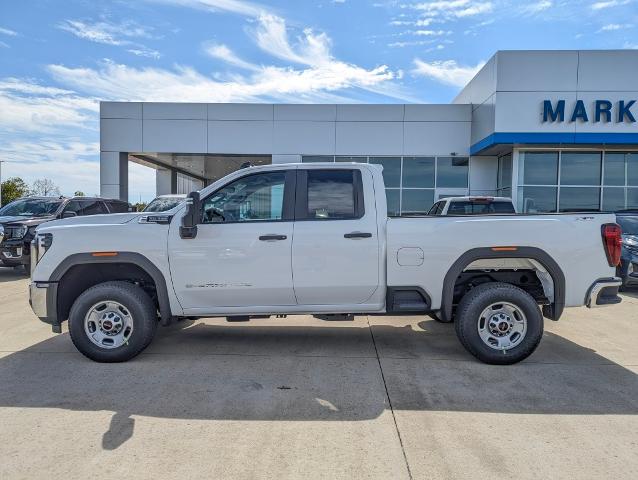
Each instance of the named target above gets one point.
<point>112,322</point>
<point>499,323</point>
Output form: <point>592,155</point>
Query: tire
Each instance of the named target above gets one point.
<point>506,304</point>
<point>92,311</point>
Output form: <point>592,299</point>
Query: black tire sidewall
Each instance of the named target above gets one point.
<point>470,309</point>
<point>132,298</point>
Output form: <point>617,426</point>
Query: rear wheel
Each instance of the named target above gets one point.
<point>112,322</point>
<point>499,323</point>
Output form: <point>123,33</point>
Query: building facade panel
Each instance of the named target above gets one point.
<point>120,110</point>
<point>436,138</point>
<point>315,113</point>
<point>537,71</point>
<point>369,138</point>
<point>310,137</point>
<point>240,137</point>
<point>370,113</point>
<point>175,111</point>
<point>240,111</point>
<point>120,135</point>
<point>174,136</point>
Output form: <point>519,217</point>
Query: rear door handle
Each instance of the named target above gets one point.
<point>358,235</point>
<point>267,238</point>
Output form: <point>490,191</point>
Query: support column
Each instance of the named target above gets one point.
<point>165,181</point>
<point>114,175</point>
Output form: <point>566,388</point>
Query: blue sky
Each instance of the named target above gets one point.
<point>58,59</point>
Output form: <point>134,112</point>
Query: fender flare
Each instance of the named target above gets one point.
<point>134,258</point>
<point>552,311</point>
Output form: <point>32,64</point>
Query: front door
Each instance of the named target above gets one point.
<point>241,256</point>
<point>335,253</point>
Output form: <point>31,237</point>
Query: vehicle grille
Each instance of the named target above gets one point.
<point>11,233</point>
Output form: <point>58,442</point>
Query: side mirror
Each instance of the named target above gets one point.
<point>191,218</point>
<point>69,214</point>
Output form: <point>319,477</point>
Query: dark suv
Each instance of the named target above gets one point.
<point>628,268</point>
<point>19,219</point>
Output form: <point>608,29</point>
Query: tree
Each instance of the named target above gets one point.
<point>12,189</point>
<point>79,193</point>
<point>45,187</point>
<point>139,206</point>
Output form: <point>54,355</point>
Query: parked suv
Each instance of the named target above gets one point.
<point>628,268</point>
<point>19,219</point>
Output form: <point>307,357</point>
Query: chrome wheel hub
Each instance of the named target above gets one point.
<point>108,324</point>
<point>502,326</point>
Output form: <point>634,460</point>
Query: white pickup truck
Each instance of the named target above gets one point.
<point>316,239</point>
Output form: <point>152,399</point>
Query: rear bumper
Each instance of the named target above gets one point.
<point>604,292</point>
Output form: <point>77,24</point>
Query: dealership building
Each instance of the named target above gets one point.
<point>554,130</point>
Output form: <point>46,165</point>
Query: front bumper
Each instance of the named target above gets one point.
<point>604,292</point>
<point>43,301</point>
<point>15,252</point>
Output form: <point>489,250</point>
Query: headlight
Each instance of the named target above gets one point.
<point>630,241</point>
<point>21,231</point>
<point>39,246</point>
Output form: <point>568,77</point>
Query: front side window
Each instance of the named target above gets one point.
<point>92,207</point>
<point>258,197</point>
<point>331,194</point>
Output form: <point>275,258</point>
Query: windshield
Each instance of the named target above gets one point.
<point>629,224</point>
<point>469,207</point>
<point>30,207</point>
<point>163,204</point>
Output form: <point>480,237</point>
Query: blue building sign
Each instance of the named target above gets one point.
<point>600,111</point>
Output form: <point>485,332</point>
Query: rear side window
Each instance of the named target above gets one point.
<point>332,195</point>
<point>92,207</point>
<point>479,208</point>
<point>118,207</point>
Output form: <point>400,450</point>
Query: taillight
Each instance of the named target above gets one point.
<point>612,240</point>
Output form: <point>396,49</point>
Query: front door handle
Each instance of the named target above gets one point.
<point>269,238</point>
<point>357,235</point>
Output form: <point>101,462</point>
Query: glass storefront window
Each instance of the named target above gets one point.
<point>504,177</point>
<point>613,198</point>
<point>632,198</point>
<point>537,199</point>
<point>417,200</point>
<point>632,169</point>
<point>614,169</point>
<point>452,172</point>
<point>578,199</point>
<point>538,168</point>
<point>391,170</point>
<point>580,168</point>
<point>352,159</point>
<point>317,158</point>
<point>393,196</point>
<point>418,172</point>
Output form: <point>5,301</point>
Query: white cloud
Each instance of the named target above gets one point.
<point>6,31</point>
<point>536,7</point>
<point>448,72</point>
<point>615,26</point>
<point>608,4</point>
<point>115,34</point>
<point>453,8</point>
<point>29,107</point>
<point>241,7</point>
<point>224,53</point>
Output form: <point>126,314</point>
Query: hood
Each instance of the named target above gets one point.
<point>107,219</point>
<point>29,221</point>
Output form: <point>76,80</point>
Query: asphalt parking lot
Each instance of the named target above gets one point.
<point>378,397</point>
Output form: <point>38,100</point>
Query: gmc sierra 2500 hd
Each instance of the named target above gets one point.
<point>316,239</point>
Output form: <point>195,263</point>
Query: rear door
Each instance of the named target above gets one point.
<point>335,252</point>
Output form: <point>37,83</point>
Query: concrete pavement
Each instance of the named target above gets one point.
<point>378,397</point>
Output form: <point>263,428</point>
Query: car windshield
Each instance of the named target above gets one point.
<point>478,207</point>
<point>163,204</point>
<point>30,207</point>
<point>629,224</point>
